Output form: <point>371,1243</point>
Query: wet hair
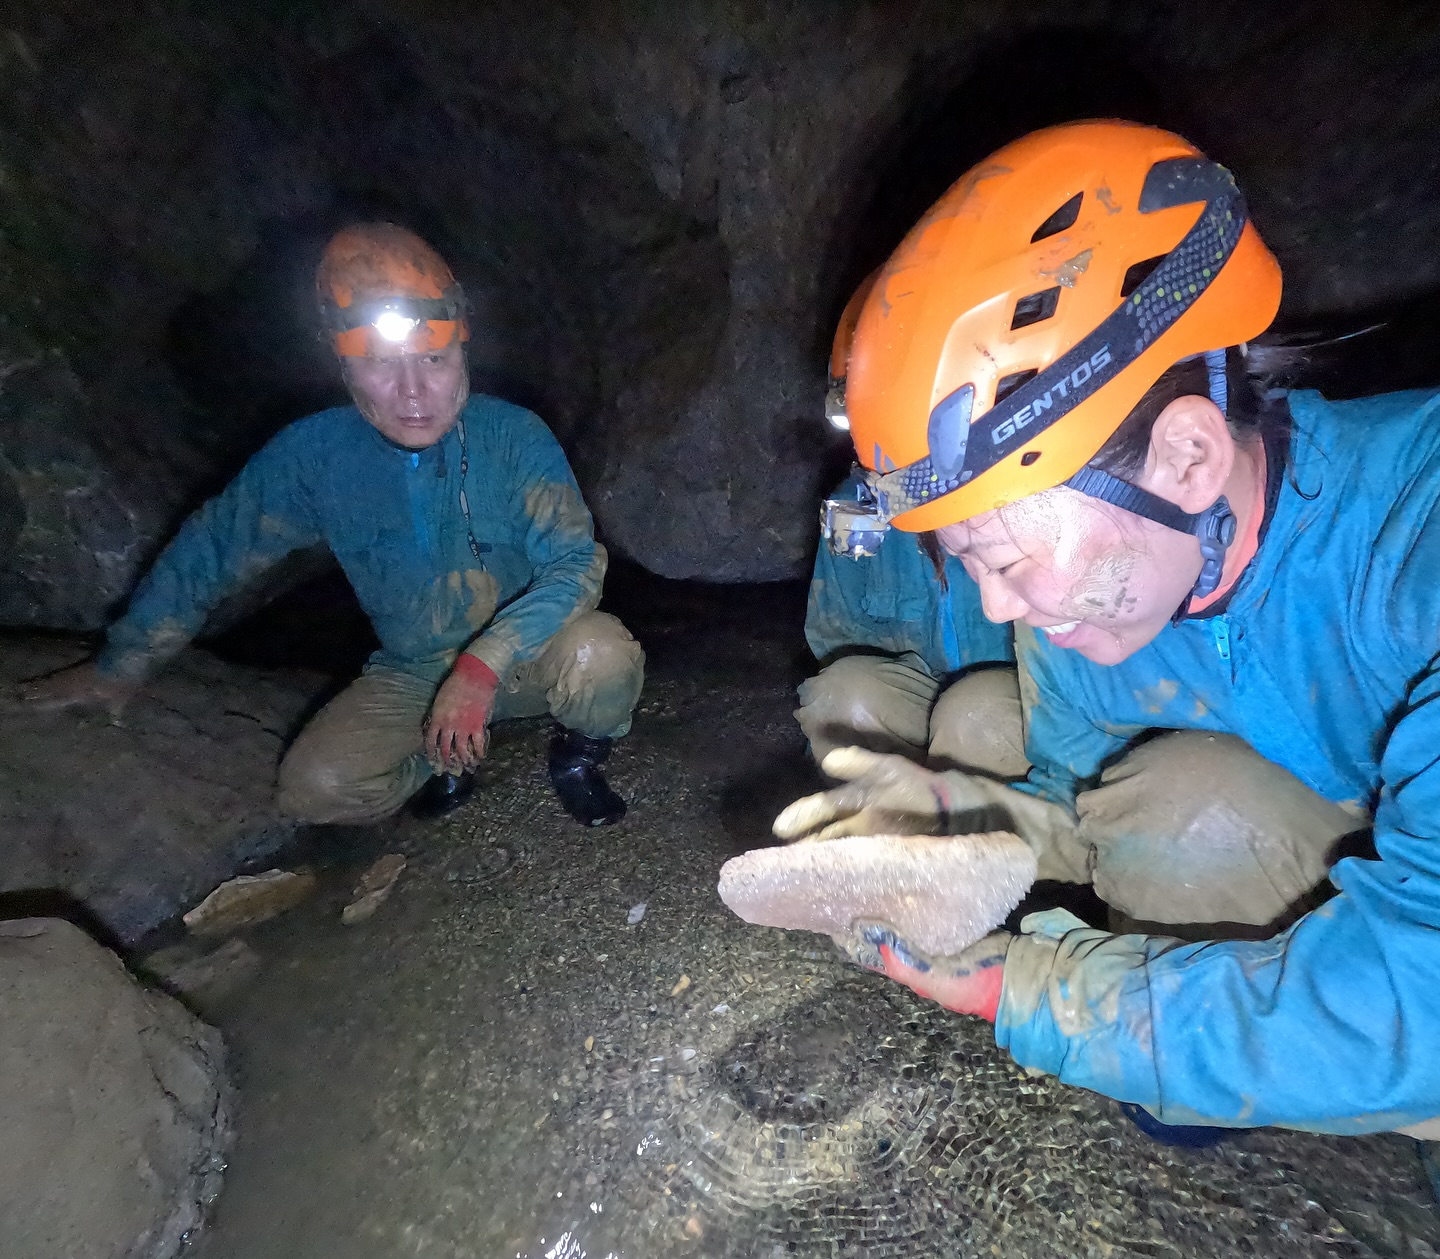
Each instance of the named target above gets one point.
<point>931,549</point>
<point>1251,374</point>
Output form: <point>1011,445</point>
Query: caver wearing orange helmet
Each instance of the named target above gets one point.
<point>1226,599</point>
<point>893,622</point>
<point>460,526</point>
<point>381,286</point>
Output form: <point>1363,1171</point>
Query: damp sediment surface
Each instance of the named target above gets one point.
<point>499,1063</point>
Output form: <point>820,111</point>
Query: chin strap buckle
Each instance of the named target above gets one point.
<point>1214,528</point>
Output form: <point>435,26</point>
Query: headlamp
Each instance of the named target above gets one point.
<point>835,405</point>
<point>852,521</point>
<point>394,326</point>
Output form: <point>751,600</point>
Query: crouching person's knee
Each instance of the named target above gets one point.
<point>313,787</point>
<point>977,725</point>
<point>600,675</point>
<point>876,702</point>
<point>1197,828</point>
<point>308,787</point>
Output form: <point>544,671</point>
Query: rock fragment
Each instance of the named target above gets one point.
<point>374,888</point>
<point>248,899</point>
<point>204,973</point>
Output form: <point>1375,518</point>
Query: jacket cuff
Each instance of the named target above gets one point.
<point>1076,1004</point>
<point>471,666</point>
<point>496,651</point>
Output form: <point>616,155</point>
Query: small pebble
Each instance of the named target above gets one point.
<point>686,1054</point>
<point>636,913</point>
<point>680,985</point>
<point>589,1043</point>
<point>722,1008</point>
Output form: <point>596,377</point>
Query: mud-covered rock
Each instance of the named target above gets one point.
<point>139,818</point>
<point>113,1104</point>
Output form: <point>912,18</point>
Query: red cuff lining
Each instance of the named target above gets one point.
<point>476,670</point>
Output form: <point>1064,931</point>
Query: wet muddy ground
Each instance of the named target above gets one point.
<point>501,1062</point>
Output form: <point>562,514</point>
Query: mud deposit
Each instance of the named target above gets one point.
<point>495,1065</point>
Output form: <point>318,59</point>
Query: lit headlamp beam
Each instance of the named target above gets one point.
<point>394,326</point>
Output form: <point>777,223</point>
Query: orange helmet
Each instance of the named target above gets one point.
<point>1026,314</point>
<point>381,285</point>
<point>840,352</point>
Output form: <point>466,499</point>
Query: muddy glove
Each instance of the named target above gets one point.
<point>968,983</point>
<point>455,731</point>
<point>890,795</point>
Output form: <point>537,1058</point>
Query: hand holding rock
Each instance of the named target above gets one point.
<point>968,983</point>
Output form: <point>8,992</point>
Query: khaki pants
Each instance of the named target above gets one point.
<point>894,704</point>
<point>360,758</point>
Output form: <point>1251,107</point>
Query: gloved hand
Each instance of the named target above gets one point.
<point>890,795</point>
<point>80,686</point>
<point>455,730</point>
<point>968,983</point>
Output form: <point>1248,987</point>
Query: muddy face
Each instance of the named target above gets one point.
<point>413,399</point>
<point>1093,578</point>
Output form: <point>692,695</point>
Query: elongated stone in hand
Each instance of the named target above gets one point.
<point>940,894</point>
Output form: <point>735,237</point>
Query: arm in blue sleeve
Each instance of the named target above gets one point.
<point>262,515</point>
<point>569,565</point>
<point>1330,1027</point>
<point>834,616</point>
<point>1064,746</point>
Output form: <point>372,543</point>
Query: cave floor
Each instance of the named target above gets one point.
<point>499,1063</point>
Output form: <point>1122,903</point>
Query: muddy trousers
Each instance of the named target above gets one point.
<point>895,704</point>
<point>360,758</point>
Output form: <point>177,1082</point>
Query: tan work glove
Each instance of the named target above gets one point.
<point>890,795</point>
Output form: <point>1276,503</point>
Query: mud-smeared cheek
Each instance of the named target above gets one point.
<point>1105,589</point>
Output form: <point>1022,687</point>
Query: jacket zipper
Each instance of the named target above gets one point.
<point>1220,628</point>
<point>417,508</point>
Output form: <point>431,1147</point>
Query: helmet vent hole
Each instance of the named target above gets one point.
<point>1034,308</point>
<point>1063,219</point>
<point>1138,274</point>
<point>1029,457</point>
<point>1011,383</point>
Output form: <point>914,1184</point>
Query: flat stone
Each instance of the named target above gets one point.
<point>248,899</point>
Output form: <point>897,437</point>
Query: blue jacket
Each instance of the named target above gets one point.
<point>394,521</point>
<point>1327,661</point>
<point>892,602</point>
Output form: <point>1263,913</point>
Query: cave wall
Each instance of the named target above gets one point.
<point>659,209</point>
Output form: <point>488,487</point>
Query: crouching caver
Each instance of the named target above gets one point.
<point>895,621</point>
<point>895,631</point>
<point>1227,600</point>
<point>461,529</point>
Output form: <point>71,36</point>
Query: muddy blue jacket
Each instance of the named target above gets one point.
<point>394,520</point>
<point>893,602</point>
<point>1327,661</point>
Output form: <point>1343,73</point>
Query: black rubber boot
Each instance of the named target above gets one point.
<point>575,761</point>
<point>443,794</point>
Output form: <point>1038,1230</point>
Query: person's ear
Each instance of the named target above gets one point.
<point>1191,454</point>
